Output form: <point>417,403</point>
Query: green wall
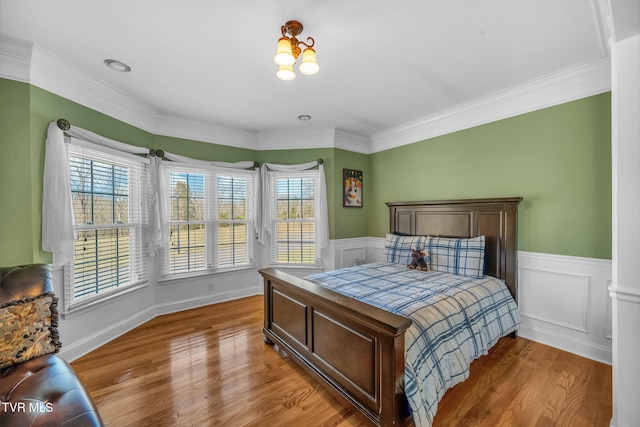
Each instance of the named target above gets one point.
<point>16,193</point>
<point>25,113</point>
<point>558,159</point>
<point>352,222</point>
<point>204,150</point>
<point>343,222</point>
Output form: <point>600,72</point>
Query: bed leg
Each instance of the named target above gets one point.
<point>267,340</point>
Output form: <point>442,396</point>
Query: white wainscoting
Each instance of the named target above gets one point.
<point>347,252</point>
<point>564,303</point>
<point>563,300</point>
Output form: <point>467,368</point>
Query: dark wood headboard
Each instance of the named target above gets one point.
<point>496,219</point>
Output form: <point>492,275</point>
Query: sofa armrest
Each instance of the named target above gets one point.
<point>45,392</point>
<point>24,281</point>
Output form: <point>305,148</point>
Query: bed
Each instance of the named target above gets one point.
<point>356,347</point>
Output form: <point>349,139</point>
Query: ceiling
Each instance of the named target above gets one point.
<point>382,63</point>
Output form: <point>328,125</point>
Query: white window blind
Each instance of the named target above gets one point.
<point>295,208</point>
<point>211,219</point>
<point>234,219</point>
<point>109,206</point>
<point>187,198</point>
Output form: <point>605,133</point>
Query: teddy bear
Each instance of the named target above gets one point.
<point>417,260</point>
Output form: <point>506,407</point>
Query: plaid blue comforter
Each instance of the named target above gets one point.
<point>455,320</point>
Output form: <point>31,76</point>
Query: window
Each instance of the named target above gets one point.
<point>296,207</point>
<point>211,220</point>
<point>234,220</point>
<point>187,226</point>
<point>109,211</point>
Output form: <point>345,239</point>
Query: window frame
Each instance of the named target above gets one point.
<point>251,185</point>
<point>211,219</point>
<point>273,256</point>
<point>187,170</point>
<point>137,183</point>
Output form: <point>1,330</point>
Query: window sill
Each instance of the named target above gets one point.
<point>80,307</point>
<point>298,266</point>
<point>298,269</point>
<point>173,278</point>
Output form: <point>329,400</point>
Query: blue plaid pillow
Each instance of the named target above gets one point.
<point>397,249</point>
<point>464,257</point>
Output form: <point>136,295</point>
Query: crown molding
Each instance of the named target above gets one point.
<point>625,19</point>
<point>352,142</point>
<point>167,125</point>
<point>27,63</point>
<point>54,74</point>
<point>15,59</point>
<point>292,139</point>
<point>558,88</point>
<point>603,24</point>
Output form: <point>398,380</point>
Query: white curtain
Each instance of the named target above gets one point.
<point>205,163</point>
<point>57,208</point>
<point>264,224</point>
<point>159,233</point>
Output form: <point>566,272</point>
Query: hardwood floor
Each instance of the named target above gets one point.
<point>210,367</point>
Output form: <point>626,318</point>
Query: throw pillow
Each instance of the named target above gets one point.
<point>28,329</point>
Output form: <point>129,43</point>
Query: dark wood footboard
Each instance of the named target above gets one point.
<point>354,349</point>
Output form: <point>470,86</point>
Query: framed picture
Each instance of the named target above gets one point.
<point>352,188</point>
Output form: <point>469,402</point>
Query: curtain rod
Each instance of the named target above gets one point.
<point>65,125</point>
<point>160,153</point>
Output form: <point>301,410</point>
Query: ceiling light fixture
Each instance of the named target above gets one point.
<point>117,65</point>
<point>304,117</point>
<point>289,50</point>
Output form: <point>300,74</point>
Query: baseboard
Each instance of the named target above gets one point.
<point>80,348</point>
<point>188,304</point>
<point>568,344</point>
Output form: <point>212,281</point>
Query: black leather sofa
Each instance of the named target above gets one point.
<point>37,387</point>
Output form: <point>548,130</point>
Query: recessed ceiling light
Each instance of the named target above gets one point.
<point>304,117</point>
<point>117,65</point>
